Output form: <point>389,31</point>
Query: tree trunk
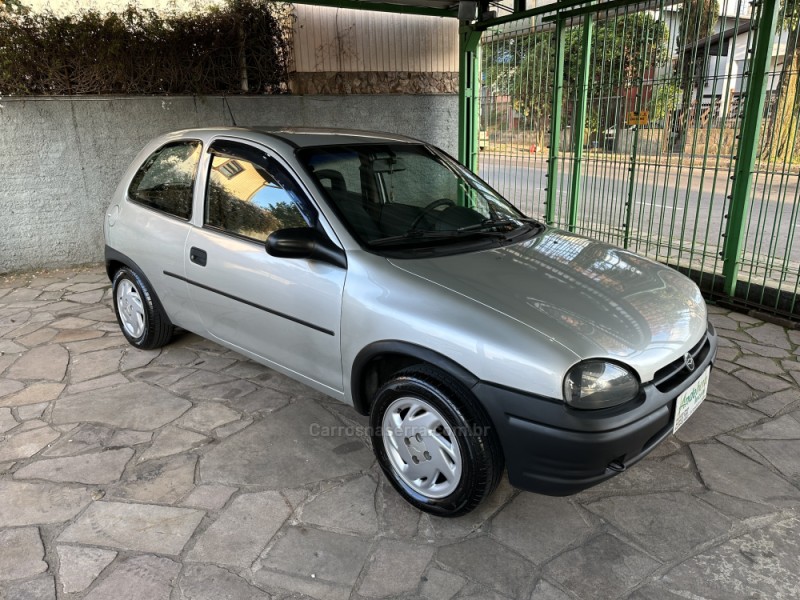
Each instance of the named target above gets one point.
<point>780,135</point>
<point>243,59</point>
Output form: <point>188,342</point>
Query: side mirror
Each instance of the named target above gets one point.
<point>305,242</point>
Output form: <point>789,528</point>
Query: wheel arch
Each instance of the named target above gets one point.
<point>116,260</point>
<point>378,361</point>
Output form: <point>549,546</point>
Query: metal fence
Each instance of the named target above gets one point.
<point>666,127</point>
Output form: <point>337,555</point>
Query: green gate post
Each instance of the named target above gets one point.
<point>748,144</point>
<point>555,126</point>
<point>469,85</point>
<point>580,121</point>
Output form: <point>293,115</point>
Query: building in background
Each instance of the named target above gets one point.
<point>720,74</point>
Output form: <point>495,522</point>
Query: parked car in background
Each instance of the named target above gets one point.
<point>610,136</point>
<point>378,270</point>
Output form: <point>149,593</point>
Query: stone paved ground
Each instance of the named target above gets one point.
<point>191,473</point>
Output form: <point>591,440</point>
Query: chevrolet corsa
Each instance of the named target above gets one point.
<point>376,269</point>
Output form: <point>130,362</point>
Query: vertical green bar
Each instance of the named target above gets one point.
<point>555,125</point>
<point>469,85</point>
<point>748,143</point>
<point>580,120</point>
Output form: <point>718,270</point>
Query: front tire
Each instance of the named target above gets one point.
<point>435,442</point>
<point>139,313</point>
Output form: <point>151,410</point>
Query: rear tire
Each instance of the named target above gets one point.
<point>139,313</point>
<point>435,442</point>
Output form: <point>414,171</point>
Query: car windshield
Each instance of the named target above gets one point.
<point>410,196</point>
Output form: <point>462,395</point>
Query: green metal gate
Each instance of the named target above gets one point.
<point>666,127</point>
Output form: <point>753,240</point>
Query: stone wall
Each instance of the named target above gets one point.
<point>373,82</point>
<point>62,157</point>
<point>712,141</point>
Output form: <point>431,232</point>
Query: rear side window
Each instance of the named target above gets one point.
<point>250,195</point>
<point>165,181</point>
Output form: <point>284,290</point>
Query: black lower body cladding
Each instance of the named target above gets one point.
<point>554,450</point>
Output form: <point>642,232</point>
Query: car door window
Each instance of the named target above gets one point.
<point>250,195</point>
<point>165,181</point>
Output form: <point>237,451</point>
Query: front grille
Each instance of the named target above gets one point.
<point>675,373</point>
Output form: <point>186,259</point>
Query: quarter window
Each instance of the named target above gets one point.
<point>165,181</point>
<point>250,195</point>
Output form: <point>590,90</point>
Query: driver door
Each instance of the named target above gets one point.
<point>284,311</point>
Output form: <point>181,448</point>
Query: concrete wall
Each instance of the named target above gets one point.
<point>62,157</point>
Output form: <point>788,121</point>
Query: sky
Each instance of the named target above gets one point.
<point>72,6</point>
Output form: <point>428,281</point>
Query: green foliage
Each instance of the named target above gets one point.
<point>665,100</point>
<point>697,20</point>
<point>780,135</point>
<point>239,47</point>
<point>790,15</point>
<point>12,6</point>
<point>530,82</point>
<point>624,49</point>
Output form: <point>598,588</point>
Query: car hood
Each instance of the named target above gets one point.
<point>592,298</point>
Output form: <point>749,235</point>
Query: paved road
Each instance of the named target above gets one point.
<point>670,202</point>
<point>191,472</point>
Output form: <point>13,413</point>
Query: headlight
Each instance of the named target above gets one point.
<point>595,384</point>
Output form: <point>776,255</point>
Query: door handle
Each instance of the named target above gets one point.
<point>198,256</point>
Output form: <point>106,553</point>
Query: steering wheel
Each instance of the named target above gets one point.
<point>430,208</point>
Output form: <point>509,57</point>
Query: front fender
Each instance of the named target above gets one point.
<point>386,305</point>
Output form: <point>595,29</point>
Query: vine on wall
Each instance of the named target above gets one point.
<point>241,47</point>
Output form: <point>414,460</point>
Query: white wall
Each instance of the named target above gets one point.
<point>342,40</point>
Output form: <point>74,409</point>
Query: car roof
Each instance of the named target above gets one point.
<point>306,136</point>
<point>301,137</point>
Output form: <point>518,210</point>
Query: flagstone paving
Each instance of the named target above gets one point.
<point>194,473</point>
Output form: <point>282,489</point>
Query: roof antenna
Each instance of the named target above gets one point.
<point>230,112</point>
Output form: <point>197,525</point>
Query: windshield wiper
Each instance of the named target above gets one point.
<point>489,224</point>
<point>421,234</point>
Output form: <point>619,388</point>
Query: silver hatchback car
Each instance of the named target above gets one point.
<point>378,270</point>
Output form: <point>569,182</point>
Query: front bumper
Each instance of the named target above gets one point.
<point>555,450</point>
